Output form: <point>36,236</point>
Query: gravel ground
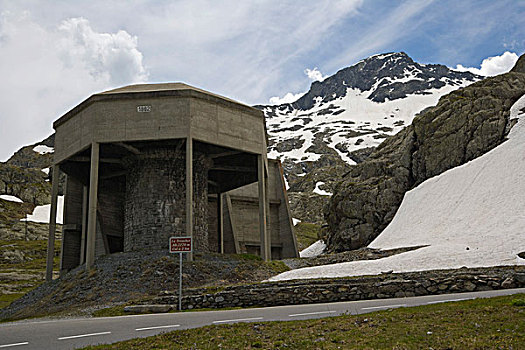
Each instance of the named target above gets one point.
<point>124,277</point>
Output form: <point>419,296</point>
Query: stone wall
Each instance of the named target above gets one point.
<point>348,289</point>
<point>156,198</point>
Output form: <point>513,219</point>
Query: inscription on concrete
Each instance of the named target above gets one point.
<point>144,109</point>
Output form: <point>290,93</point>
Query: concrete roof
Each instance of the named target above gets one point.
<point>154,90</point>
<point>137,88</point>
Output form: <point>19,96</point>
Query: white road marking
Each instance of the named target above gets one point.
<point>446,301</point>
<point>83,335</point>
<point>312,313</point>
<point>139,315</point>
<point>383,307</point>
<point>239,320</point>
<point>14,344</point>
<point>157,327</point>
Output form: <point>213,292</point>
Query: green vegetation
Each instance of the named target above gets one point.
<point>22,267</point>
<point>306,234</point>
<point>278,266</point>
<point>518,302</point>
<point>495,323</point>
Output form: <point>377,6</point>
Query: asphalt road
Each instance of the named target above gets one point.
<point>79,332</point>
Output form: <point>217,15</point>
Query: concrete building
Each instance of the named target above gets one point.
<point>147,162</point>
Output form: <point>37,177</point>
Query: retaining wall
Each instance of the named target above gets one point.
<point>348,289</point>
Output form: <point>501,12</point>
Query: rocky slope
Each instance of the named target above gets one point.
<point>26,176</point>
<point>464,125</point>
<point>340,120</point>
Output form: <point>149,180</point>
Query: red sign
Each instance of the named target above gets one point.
<point>180,244</point>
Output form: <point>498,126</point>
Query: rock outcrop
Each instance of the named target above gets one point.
<point>464,125</point>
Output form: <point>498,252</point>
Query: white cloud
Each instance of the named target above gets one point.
<point>288,98</point>
<point>47,70</point>
<point>315,74</point>
<point>312,74</point>
<point>110,57</point>
<point>493,65</point>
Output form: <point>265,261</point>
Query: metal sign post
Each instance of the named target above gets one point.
<point>180,245</point>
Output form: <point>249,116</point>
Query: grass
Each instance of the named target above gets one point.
<point>34,266</point>
<point>306,234</point>
<point>496,323</point>
<point>278,266</point>
<point>518,302</point>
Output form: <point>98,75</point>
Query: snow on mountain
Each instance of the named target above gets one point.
<point>358,107</point>
<point>472,215</point>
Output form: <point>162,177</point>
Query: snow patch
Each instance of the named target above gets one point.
<point>42,213</point>
<point>43,149</point>
<point>314,250</point>
<point>10,198</point>
<point>320,191</point>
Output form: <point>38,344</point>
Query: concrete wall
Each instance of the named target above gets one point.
<point>245,216</point>
<point>110,215</point>
<point>223,126</point>
<point>118,120</point>
<point>72,224</point>
<point>170,118</point>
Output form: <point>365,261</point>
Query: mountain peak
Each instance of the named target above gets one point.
<point>384,77</point>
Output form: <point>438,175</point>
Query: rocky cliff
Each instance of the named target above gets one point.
<point>464,125</point>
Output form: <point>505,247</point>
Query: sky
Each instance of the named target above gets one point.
<point>54,54</point>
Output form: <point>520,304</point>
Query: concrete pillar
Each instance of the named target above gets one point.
<point>52,223</point>
<point>84,222</point>
<point>263,228</point>
<point>92,210</point>
<point>189,192</point>
<point>220,224</point>
<point>268,214</point>
<point>64,214</point>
